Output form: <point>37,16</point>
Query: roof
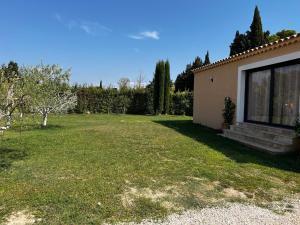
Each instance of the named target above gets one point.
<point>251,52</point>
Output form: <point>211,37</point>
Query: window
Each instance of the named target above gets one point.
<point>273,94</point>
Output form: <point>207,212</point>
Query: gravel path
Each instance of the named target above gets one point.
<point>232,214</point>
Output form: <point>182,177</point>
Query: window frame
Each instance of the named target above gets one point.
<point>272,68</point>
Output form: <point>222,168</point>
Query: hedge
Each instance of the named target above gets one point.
<point>131,101</point>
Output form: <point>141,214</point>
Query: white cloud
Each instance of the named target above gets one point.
<point>85,28</point>
<point>57,17</point>
<point>151,34</point>
<point>136,37</point>
<point>146,35</point>
<point>89,27</point>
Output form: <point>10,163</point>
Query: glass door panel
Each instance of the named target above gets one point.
<point>259,96</point>
<point>286,95</point>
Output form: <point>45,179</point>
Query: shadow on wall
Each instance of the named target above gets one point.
<point>8,156</point>
<point>232,149</point>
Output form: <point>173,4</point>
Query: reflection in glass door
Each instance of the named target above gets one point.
<point>259,84</point>
<point>273,95</point>
<point>286,95</point>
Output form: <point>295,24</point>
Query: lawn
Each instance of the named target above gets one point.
<point>89,169</point>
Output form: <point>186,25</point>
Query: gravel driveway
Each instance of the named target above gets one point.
<point>233,214</point>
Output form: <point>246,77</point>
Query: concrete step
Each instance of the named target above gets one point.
<point>264,133</point>
<point>272,146</point>
<point>269,129</point>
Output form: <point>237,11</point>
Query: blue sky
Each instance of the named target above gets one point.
<point>107,40</point>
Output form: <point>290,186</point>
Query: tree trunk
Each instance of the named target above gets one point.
<point>8,121</point>
<point>45,118</point>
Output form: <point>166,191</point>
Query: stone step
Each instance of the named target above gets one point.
<point>266,134</point>
<point>268,145</point>
<point>269,129</point>
<point>255,146</point>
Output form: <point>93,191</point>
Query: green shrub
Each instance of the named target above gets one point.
<point>228,111</point>
<point>131,101</point>
<point>182,103</point>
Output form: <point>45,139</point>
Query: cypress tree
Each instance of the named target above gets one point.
<point>161,86</point>
<point>167,88</point>
<point>207,60</point>
<point>158,92</point>
<point>156,89</point>
<point>256,34</point>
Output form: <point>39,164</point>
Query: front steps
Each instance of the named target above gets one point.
<point>270,139</point>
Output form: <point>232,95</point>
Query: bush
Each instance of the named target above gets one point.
<point>131,101</point>
<point>228,111</point>
<point>110,100</point>
<point>182,103</point>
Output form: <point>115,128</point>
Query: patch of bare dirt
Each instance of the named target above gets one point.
<point>132,193</point>
<point>20,218</point>
<point>232,193</point>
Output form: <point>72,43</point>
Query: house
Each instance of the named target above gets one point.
<point>264,83</point>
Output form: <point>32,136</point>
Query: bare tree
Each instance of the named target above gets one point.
<point>124,84</point>
<point>140,81</point>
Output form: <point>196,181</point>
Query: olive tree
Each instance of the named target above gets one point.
<point>11,91</point>
<point>49,89</point>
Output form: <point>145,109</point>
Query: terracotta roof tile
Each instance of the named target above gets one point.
<point>254,51</point>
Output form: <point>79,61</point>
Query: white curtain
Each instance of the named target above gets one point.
<point>259,96</point>
<point>286,95</point>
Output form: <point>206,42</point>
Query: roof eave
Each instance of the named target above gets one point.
<point>246,54</point>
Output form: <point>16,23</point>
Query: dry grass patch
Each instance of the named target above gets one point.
<point>20,218</point>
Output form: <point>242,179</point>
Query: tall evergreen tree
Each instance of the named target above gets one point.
<point>100,85</point>
<point>167,88</point>
<point>185,80</point>
<point>207,60</point>
<point>256,34</point>
<point>197,62</point>
<point>158,92</point>
<point>240,43</point>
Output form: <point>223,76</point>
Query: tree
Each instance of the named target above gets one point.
<point>124,84</point>
<point>100,85</point>
<point>185,80</point>
<point>197,62</point>
<point>256,34</point>
<point>139,81</point>
<point>250,39</point>
<point>207,60</point>
<point>240,43</point>
<point>167,88</point>
<point>281,34</point>
<point>50,90</point>
<point>158,92</point>
<point>11,91</point>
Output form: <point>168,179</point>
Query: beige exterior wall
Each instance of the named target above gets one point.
<point>209,96</point>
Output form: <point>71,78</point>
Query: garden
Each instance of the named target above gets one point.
<point>74,155</point>
<point>90,169</point>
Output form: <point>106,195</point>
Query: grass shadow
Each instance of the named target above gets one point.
<point>232,149</point>
<point>32,127</point>
<point>8,156</point>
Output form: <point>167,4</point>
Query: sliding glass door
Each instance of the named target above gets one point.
<point>273,94</point>
<point>286,95</point>
<point>259,96</point>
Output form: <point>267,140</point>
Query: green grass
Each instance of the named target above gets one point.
<point>89,169</point>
